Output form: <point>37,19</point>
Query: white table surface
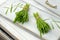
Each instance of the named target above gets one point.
<point>23,35</point>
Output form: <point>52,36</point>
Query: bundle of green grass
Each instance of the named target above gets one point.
<point>22,16</point>
<point>42,26</point>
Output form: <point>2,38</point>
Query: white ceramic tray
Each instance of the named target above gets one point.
<point>31,25</point>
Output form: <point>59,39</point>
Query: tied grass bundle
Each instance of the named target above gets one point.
<point>42,26</point>
<point>22,16</point>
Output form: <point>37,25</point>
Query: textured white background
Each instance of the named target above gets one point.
<point>21,34</point>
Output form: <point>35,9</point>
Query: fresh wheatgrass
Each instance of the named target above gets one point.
<point>22,16</point>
